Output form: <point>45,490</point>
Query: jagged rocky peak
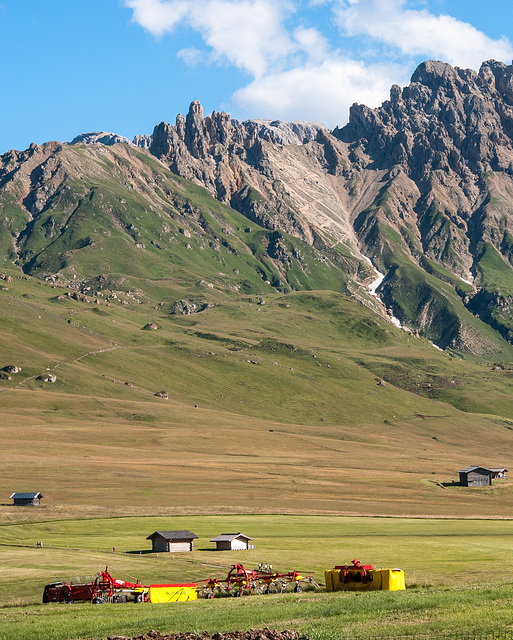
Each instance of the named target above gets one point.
<point>203,135</point>
<point>447,118</point>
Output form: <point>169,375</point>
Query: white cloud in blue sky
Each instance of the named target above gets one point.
<point>125,65</point>
<point>296,70</point>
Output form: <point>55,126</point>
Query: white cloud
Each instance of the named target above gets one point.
<point>248,34</point>
<point>313,43</point>
<point>297,73</point>
<point>320,92</point>
<point>191,56</point>
<point>158,16</point>
<point>421,33</point>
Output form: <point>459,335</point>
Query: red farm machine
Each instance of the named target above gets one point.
<point>241,581</point>
<point>105,588</point>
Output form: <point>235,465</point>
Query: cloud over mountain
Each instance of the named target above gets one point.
<point>314,62</point>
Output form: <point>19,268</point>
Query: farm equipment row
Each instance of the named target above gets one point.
<point>239,581</point>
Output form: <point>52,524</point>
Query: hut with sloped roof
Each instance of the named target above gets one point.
<point>475,476</point>
<point>232,541</point>
<point>27,499</point>
<point>172,541</point>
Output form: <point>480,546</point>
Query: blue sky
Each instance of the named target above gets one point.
<point>71,66</point>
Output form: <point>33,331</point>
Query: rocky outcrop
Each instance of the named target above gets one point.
<point>187,307</point>
<point>11,368</point>
<point>281,132</point>
<point>102,137</point>
<point>47,377</point>
<point>142,140</point>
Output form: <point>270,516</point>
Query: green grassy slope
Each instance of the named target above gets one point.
<point>308,402</point>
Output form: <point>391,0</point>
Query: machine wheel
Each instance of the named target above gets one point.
<point>274,587</point>
<point>298,588</point>
<point>120,598</point>
<point>99,600</point>
<point>139,598</point>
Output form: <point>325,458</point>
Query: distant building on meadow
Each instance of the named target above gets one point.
<point>29,499</point>
<point>499,472</point>
<point>475,476</point>
<point>172,541</point>
<point>232,541</point>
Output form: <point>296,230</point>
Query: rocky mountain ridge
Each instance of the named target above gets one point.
<point>422,186</point>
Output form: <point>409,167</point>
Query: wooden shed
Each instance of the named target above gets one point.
<point>30,499</point>
<point>232,541</point>
<point>475,476</point>
<point>499,472</point>
<point>172,541</point>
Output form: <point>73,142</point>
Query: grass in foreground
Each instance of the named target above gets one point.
<point>434,611</point>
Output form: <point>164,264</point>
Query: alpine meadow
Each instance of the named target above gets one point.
<point>268,327</point>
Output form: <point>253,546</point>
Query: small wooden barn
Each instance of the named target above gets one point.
<point>499,472</point>
<point>172,541</point>
<point>29,499</point>
<point>475,476</point>
<point>232,541</point>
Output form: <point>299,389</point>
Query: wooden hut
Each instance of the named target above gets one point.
<point>30,499</point>
<point>499,472</point>
<point>172,541</point>
<point>232,541</point>
<point>475,476</point>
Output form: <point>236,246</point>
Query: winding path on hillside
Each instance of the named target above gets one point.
<point>84,355</point>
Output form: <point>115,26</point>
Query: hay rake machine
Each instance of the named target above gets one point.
<point>241,581</point>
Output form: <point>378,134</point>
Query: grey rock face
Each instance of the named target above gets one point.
<point>281,132</point>
<point>101,137</point>
<point>186,307</point>
<point>143,141</point>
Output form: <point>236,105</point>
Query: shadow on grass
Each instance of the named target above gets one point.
<point>140,552</point>
<point>452,483</point>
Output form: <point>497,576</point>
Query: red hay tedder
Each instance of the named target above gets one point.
<point>240,581</point>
